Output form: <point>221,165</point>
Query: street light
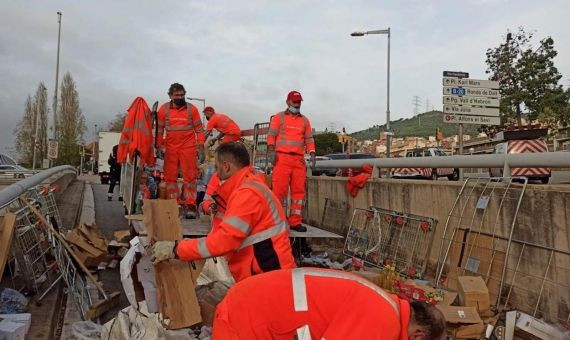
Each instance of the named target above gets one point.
<point>54,136</point>
<point>387,32</point>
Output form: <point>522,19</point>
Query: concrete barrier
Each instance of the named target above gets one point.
<point>543,220</point>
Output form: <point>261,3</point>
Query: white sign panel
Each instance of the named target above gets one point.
<point>451,81</point>
<point>479,101</point>
<point>470,92</point>
<point>52,149</point>
<point>466,119</point>
<point>471,110</point>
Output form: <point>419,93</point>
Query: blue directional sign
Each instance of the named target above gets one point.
<point>458,91</point>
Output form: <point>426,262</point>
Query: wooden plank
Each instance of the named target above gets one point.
<point>7,227</point>
<point>175,279</point>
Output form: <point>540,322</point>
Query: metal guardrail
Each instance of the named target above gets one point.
<point>521,160</point>
<point>14,191</point>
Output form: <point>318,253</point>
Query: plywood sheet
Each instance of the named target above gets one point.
<point>7,226</point>
<point>175,279</point>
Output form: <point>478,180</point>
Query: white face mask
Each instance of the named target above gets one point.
<point>293,109</point>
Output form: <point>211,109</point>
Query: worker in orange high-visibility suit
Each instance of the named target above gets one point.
<point>183,144</point>
<point>215,205</point>
<point>313,303</point>
<point>228,130</point>
<point>290,135</point>
<point>253,234</point>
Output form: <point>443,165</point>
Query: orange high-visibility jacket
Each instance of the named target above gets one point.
<point>253,234</point>
<point>137,134</point>
<point>355,183</point>
<point>329,304</point>
<point>291,133</point>
<point>179,123</point>
<point>223,124</point>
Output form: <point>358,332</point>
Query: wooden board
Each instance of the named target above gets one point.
<point>7,226</point>
<point>174,278</point>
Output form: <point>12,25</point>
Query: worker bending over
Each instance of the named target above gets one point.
<point>253,234</point>
<point>228,130</point>
<point>290,135</point>
<point>183,144</point>
<point>312,303</point>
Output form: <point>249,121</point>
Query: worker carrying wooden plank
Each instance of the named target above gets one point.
<point>253,234</point>
<point>314,303</point>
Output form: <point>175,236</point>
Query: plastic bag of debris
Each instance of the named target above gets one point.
<point>86,330</point>
<point>323,260</point>
<point>12,301</point>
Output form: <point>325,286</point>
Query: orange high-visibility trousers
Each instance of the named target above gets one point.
<point>230,138</point>
<point>290,171</point>
<point>184,153</point>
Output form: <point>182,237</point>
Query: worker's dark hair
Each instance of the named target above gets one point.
<point>429,318</point>
<point>176,87</point>
<point>234,152</point>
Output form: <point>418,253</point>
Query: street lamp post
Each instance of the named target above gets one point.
<point>94,150</point>
<point>54,136</point>
<point>389,134</point>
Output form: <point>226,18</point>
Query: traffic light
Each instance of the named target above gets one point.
<point>438,134</point>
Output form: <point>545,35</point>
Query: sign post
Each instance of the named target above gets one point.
<point>469,101</point>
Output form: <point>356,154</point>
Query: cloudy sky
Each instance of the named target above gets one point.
<point>244,56</point>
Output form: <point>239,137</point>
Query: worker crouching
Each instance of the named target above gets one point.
<point>253,234</point>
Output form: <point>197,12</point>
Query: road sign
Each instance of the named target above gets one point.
<point>52,149</point>
<point>466,82</point>
<point>470,91</point>
<point>455,74</point>
<point>478,101</point>
<point>471,110</point>
<point>468,119</point>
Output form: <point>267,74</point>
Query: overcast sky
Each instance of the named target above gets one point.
<point>244,56</point>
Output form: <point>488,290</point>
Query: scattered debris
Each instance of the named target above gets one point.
<point>322,259</point>
<point>463,322</point>
<point>86,330</point>
<point>14,326</point>
<point>122,235</point>
<point>12,301</point>
<point>209,296</point>
<point>89,244</point>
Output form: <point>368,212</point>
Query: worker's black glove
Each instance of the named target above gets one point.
<point>201,155</point>
<point>313,160</point>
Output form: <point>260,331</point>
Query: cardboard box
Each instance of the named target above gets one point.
<point>473,292</point>
<point>463,322</point>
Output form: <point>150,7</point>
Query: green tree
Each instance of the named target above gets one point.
<point>529,80</point>
<point>25,134</point>
<point>116,125</point>
<point>70,123</point>
<point>41,109</point>
<point>326,143</point>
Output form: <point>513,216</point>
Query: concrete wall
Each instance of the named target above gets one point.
<point>543,219</point>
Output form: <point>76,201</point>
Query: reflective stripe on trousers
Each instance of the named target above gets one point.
<point>300,289</point>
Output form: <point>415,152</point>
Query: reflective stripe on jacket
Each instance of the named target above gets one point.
<point>291,133</point>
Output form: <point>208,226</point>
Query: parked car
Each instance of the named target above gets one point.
<point>427,173</point>
<point>522,146</point>
<point>14,171</point>
<point>344,172</point>
<point>321,171</point>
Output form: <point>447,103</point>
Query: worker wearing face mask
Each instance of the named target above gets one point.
<point>290,136</point>
<point>183,145</point>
